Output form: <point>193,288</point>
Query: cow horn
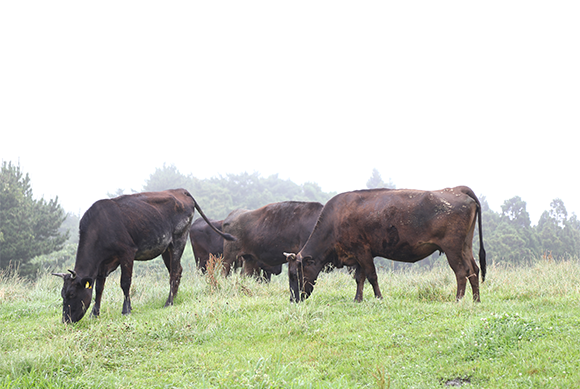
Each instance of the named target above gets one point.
<point>290,256</point>
<point>74,273</point>
<point>59,274</point>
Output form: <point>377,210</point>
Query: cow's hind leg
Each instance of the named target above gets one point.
<point>126,276</point>
<point>469,262</point>
<point>473,278</point>
<point>456,262</point>
<point>229,258</point>
<point>174,275</point>
<point>172,259</point>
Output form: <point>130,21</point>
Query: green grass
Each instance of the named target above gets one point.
<point>524,334</point>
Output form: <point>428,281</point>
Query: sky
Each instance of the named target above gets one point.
<point>94,96</point>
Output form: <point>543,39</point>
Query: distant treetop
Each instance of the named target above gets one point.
<point>376,181</point>
<point>220,195</point>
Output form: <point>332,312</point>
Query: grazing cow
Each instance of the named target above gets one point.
<point>205,241</point>
<point>116,232</point>
<point>264,234</point>
<point>402,225</point>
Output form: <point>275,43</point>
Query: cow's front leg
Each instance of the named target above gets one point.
<point>251,267</point>
<point>99,286</point>
<point>374,280</point>
<point>367,262</point>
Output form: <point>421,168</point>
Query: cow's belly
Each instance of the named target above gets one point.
<point>407,253</point>
<point>154,248</point>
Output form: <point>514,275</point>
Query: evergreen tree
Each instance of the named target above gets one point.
<point>549,235</point>
<point>515,213</point>
<point>558,212</point>
<point>167,177</point>
<point>508,236</point>
<point>559,237</point>
<point>28,227</point>
<point>376,181</point>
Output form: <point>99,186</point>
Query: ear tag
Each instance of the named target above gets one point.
<point>88,285</point>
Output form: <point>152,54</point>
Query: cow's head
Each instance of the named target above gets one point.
<point>76,296</point>
<point>302,274</point>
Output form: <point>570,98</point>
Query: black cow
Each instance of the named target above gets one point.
<point>115,232</point>
<point>402,225</point>
<point>205,241</point>
<point>264,234</point>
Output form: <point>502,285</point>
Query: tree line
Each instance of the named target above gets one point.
<point>220,195</point>
<point>34,233</point>
<point>509,235</point>
<point>28,227</point>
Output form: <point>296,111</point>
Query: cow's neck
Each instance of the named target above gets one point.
<point>321,243</point>
<point>85,264</point>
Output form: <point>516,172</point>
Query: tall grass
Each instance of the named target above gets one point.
<point>237,332</point>
<point>214,268</point>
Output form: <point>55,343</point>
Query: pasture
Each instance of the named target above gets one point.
<point>239,333</point>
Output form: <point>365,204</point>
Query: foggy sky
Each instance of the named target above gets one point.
<point>95,96</point>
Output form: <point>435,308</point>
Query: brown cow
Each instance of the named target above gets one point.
<point>399,224</point>
<point>262,235</point>
<point>116,232</point>
<point>205,241</point>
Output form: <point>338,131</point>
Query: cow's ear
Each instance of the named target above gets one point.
<point>87,283</point>
<point>290,257</point>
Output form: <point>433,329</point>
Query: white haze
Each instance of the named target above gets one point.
<point>95,95</point>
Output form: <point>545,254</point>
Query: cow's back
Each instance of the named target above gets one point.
<point>154,219</point>
<point>290,220</point>
<point>282,226</point>
<point>404,208</point>
<point>387,221</point>
<point>265,233</point>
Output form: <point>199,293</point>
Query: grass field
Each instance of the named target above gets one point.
<point>241,333</point>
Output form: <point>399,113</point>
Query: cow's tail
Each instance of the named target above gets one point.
<point>482,262</point>
<point>224,235</point>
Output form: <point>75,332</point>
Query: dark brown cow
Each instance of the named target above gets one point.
<point>116,232</point>
<point>403,225</point>
<point>264,234</point>
<point>205,241</point>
